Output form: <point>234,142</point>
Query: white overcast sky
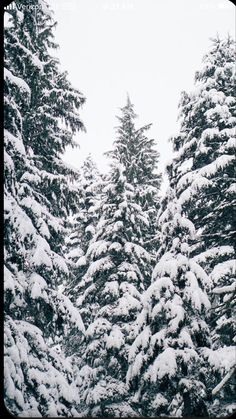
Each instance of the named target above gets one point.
<point>148,48</point>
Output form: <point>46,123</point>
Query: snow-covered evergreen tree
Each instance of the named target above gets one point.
<point>203,173</point>
<point>203,167</point>
<point>81,230</point>
<point>82,225</point>
<point>109,300</point>
<point>116,257</point>
<point>41,115</point>
<point>139,156</point>
<point>165,372</point>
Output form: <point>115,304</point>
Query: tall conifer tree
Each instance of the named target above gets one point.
<point>203,173</point>
<point>139,156</point>
<point>166,374</point>
<point>41,115</point>
<point>82,225</point>
<point>109,300</point>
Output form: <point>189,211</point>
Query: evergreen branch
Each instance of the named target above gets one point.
<point>223,382</point>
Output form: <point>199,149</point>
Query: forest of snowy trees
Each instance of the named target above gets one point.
<point>118,301</point>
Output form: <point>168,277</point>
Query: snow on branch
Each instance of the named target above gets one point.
<point>223,382</point>
<point>224,290</point>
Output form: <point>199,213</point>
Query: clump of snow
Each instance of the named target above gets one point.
<point>222,359</point>
<point>81,261</point>
<point>99,265</point>
<point>38,286</point>
<point>164,364</point>
<point>20,83</point>
<point>139,251</point>
<point>176,312</point>
<point>67,308</point>
<point>15,142</point>
<point>225,289</point>
<point>161,284</point>
<point>221,270</point>
<point>98,327</point>
<point>232,189</point>
<point>166,266</point>
<point>159,401</point>
<point>98,248</point>
<point>195,294</point>
<point>186,166</point>
<point>40,254</point>
<point>219,163</point>
<point>135,367</point>
<point>126,304</point>
<point>214,253</point>
<point>141,341</point>
<point>111,288</point>
<point>115,339</point>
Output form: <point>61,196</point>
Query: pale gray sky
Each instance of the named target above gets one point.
<point>149,48</point>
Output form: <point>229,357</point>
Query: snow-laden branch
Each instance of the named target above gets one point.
<point>223,382</point>
<point>224,290</point>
